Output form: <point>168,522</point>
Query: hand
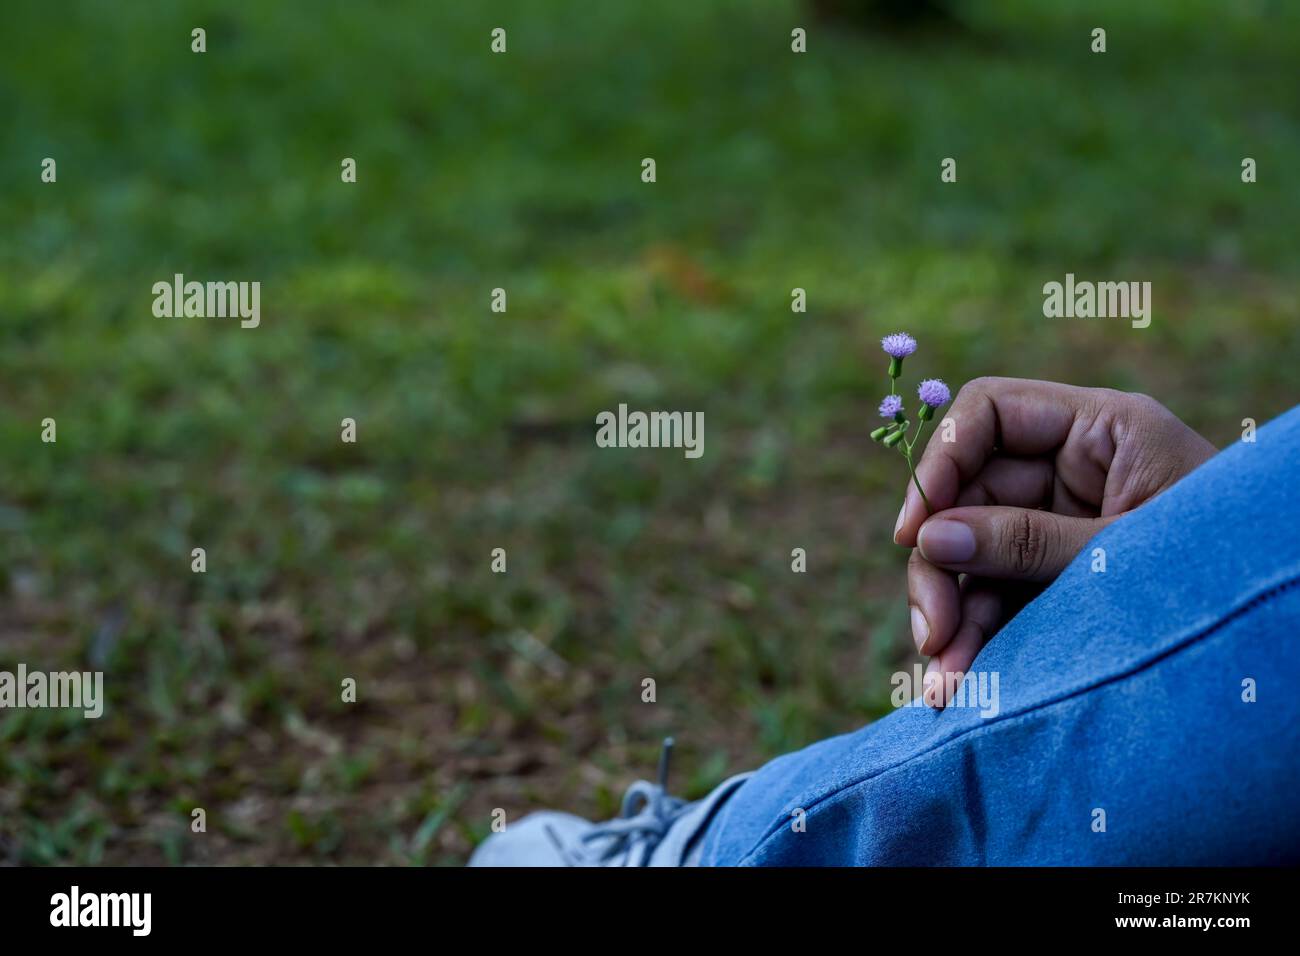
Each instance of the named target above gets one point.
<point>1035,470</point>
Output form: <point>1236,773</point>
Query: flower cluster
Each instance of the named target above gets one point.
<point>932,392</point>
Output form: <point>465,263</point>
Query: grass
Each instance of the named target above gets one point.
<point>371,561</point>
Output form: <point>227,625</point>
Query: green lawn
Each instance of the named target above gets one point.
<point>522,171</point>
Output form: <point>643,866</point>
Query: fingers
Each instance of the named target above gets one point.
<point>1009,543</point>
<point>1015,416</point>
<point>981,613</point>
<point>1024,483</point>
<point>1018,482</point>
<point>933,594</point>
<point>934,600</point>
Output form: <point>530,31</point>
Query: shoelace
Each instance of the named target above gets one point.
<point>643,821</point>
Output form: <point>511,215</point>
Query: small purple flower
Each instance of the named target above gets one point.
<point>933,392</point>
<point>891,406</point>
<point>898,345</point>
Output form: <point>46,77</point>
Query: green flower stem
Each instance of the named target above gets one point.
<point>906,449</point>
<point>928,509</point>
<point>920,427</point>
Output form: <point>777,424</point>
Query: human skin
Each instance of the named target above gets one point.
<point>1034,471</point>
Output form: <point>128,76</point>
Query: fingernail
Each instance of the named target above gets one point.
<point>920,628</point>
<point>902,513</point>
<point>946,542</point>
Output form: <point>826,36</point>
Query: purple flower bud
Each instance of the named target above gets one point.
<point>898,345</point>
<point>891,406</point>
<point>933,392</point>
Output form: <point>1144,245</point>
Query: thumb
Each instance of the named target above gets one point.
<point>1010,543</point>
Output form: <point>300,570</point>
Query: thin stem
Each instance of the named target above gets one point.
<point>920,427</point>
<point>908,455</point>
<point>906,448</point>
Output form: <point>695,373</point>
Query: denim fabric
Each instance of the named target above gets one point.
<point>1120,692</point>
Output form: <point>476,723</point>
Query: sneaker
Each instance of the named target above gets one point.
<point>652,829</point>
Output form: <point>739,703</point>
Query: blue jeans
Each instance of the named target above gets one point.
<point>1148,714</point>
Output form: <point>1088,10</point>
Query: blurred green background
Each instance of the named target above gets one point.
<point>522,171</point>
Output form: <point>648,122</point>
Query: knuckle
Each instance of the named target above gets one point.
<point>1146,406</point>
<point>1144,419</point>
<point>1151,475</point>
<point>1025,544</point>
<point>983,385</point>
<point>1109,404</point>
<point>1110,397</point>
